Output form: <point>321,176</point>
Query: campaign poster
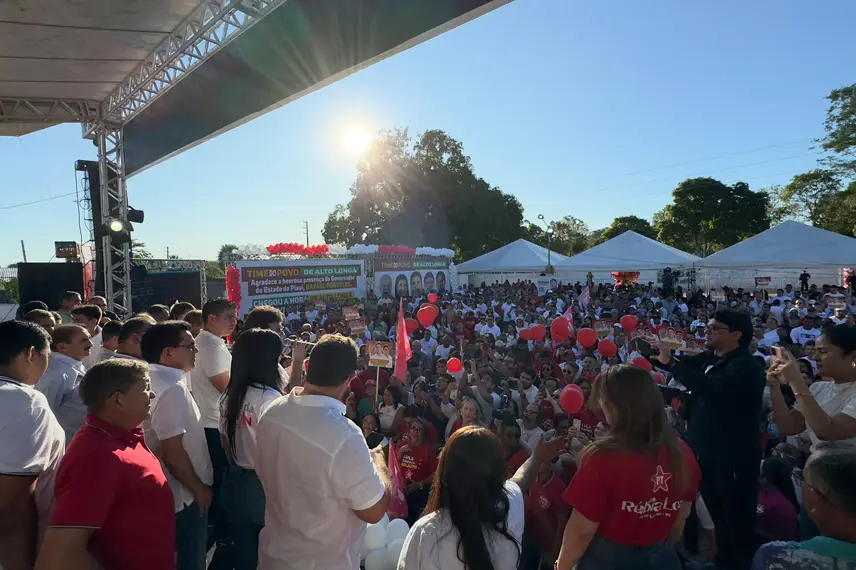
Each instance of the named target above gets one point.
<point>285,283</point>
<point>603,327</point>
<point>380,354</point>
<point>546,283</point>
<point>357,325</point>
<point>410,277</point>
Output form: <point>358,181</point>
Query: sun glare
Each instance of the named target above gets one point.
<point>357,140</point>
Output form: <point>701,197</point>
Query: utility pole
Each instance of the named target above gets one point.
<point>167,252</point>
<point>306,232</point>
<point>24,251</point>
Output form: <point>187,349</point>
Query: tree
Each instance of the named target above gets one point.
<point>213,270</point>
<point>779,209</point>
<point>808,190</point>
<point>226,254</point>
<point>139,251</point>
<point>707,215</point>
<point>423,194</point>
<point>622,224</point>
<point>9,291</point>
<point>837,213</point>
<point>840,126</point>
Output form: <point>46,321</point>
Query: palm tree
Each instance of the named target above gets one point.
<point>226,254</point>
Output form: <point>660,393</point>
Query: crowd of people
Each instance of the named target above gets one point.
<point>192,439</point>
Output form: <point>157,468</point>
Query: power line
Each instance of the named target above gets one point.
<point>22,204</point>
<point>708,158</point>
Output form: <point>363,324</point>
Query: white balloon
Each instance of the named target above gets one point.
<point>393,551</point>
<point>375,538</point>
<point>384,521</point>
<point>396,530</point>
<point>376,559</point>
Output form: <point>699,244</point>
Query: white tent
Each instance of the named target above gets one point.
<point>790,245</point>
<point>519,256</point>
<point>628,252</point>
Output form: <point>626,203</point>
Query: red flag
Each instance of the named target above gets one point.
<point>402,345</point>
<point>569,315</point>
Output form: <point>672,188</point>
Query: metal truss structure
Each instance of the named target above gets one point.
<point>210,27</point>
<point>49,111</point>
<point>114,204</point>
<point>180,264</point>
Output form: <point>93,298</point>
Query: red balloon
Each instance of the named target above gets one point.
<point>643,363</point>
<point>427,314</point>
<point>432,297</point>
<point>560,329</point>
<point>607,348</point>
<point>658,378</point>
<point>586,337</point>
<point>572,399</point>
<point>454,365</point>
<point>629,322</point>
<point>538,332</point>
<point>411,325</point>
<point>525,334</point>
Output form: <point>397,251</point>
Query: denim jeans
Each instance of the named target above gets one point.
<point>603,554</point>
<point>190,536</point>
<point>218,520</point>
<point>243,499</point>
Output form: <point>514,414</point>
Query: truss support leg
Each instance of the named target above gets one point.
<point>114,205</point>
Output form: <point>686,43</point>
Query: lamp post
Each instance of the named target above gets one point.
<point>550,231</point>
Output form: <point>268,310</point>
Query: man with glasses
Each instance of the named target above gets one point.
<point>176,435</point>
<point>726,385</point>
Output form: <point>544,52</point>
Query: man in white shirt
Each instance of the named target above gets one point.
<point>208,380</point>
<point>806,332</point>
<point>130,337</point>
<point>70,345</point>
<point>321,482</point>
<point>428,344</point>
<point>89,317</point>
<point>491,327</point>
<point>31,444</point>
<point>445,348</point>
<point>175,434</point>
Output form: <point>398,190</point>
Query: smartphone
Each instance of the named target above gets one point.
<point>577,424</point>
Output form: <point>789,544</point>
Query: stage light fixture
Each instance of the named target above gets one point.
<point>115,225</point>
<point>136,216</point>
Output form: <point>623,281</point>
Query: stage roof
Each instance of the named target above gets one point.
<point>178,72</point>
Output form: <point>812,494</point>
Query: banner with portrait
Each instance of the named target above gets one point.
<point>410,277</point>
<point>285,283</point>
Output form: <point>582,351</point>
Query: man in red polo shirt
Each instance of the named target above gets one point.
<point>114,508</point>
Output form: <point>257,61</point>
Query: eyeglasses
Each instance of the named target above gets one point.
<point>191,347</point>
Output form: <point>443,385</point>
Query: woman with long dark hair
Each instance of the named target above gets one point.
<point>634,487</point>
<point>255,382</point>
<point>474,517</point>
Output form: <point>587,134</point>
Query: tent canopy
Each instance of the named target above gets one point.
<point>628,252</point>
<point>790,245</point>
<point>519,256</point>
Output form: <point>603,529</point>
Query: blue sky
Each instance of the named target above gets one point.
<point>595,109</point>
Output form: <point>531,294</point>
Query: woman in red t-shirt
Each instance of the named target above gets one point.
<point>634,487</point>
<point>418,460</point>
<point>512,448</point>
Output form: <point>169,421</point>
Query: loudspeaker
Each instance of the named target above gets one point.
<point>48,281</point>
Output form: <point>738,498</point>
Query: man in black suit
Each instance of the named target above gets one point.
<point>726,386</point>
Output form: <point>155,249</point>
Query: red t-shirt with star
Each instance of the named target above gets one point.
<point>419,463</point>
<point>544,506</point>
<point>634,497</point>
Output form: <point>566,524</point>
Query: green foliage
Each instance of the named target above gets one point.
<point>424,194</point>
<point>226,254</point>
<point>837,212</point>
<point>9,289</point>
<point>622,224</point>
<point>139,251</point>
<point>213,270</point>
<point>840,126</point>
<point>779,209</point>
<point>807,191</point>
<point>570,235</point>
<point>707,215</point>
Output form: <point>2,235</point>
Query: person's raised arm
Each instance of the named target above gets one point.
<point>544,451</point>
<point>789,422</point>
<point>826,427</point>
